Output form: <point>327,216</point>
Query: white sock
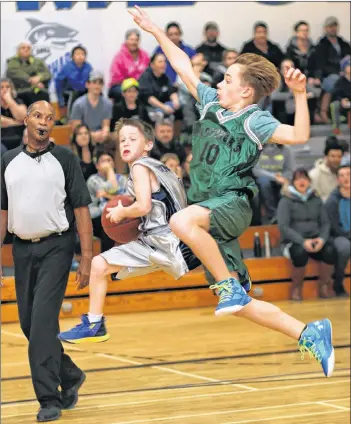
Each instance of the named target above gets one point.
<point>94,318</point>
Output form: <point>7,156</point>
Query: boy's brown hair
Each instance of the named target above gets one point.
<point>146,130</point>
<point>259,73</point>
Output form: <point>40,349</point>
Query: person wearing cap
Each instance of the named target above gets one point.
<point>211,48</point>
<point>341,96</point>
<point>29,74</point>
<point>93,109</point>
<point>330,50</point>
<point>130,106</point>
<point>71,80</point>
<point>129,62</point>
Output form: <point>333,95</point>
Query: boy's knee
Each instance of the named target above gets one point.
<point>177,221</point>
<point>99,266</point>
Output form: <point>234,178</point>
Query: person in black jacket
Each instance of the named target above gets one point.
<point>338,207</point>
<point>211,48</point>
<point>165,142</point>
<point>330,50</point>
<point>304,226</point>
<point>156,89</point>
<point>300,50</point>
<point>262,46</point>
<point>341,97</point>
<point>130,106</point>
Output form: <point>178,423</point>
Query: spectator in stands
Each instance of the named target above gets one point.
<point>262,46</point>
<point>83,147</point>
<point>346,159</point>
<point>300,50</point>
<point>13,112</point>
<point>130,106</point>
<point>186,166</point>
<point>93,109</point>
<point>171,160</point>
<point>29,75</point>
<point>72,79</point>
<point>157,90</point>
<point>187,101</point>
<point>228,58</point>
<point>211,48</point>
<point>273,170</point>
<point>323,175</point>
<point>330,50</point>
<point>283,102</point>
<point>174,33</point>
<point>304,227</point>
<point>165,142</point>
<point>130,62</point>
<point>103,186</point>
<point>341,97</point>
<point>338,207</point>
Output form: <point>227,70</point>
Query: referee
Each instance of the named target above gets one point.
<point>43,196</point>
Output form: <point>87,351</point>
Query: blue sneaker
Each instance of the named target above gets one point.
<point>316,339</point>
<point>232,297</point>
<point>86,332</point>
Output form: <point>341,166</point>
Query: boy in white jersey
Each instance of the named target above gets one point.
<point>158,194</point>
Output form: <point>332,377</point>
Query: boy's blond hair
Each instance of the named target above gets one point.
<point>146,130</point>
<point>258,73</point>
<point>168,156</point>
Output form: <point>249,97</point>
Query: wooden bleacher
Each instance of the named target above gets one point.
<point>271,281</point>
<point>62,134</point>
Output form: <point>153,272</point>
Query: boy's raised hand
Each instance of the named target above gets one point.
<point>295,80</point>
<point>142,19</point>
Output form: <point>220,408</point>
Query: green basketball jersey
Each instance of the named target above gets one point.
<point>226,146</point>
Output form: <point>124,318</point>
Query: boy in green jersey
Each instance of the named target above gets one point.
<point>227,141</point>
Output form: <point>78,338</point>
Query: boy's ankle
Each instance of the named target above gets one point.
<point>93,318</point>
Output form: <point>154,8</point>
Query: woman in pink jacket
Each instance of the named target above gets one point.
<point>130,62</point>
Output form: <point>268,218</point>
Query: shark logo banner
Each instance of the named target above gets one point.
<point>46,37</point>
<point>52,42</point>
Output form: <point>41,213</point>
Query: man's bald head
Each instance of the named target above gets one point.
<point>39,105</point>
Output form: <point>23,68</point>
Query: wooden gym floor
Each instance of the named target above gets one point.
<point>188,367</point>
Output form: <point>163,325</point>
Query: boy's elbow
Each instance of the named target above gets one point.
<point>145,209</point>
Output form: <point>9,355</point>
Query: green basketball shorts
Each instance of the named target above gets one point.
<point>230,216</point>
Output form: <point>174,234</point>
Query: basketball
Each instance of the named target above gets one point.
<point>126,230</point>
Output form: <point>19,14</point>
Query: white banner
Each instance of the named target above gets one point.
<point>54,33</point>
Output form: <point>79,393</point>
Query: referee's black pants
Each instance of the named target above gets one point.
<point>41,275</point>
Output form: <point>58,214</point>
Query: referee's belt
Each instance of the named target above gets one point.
<point>39,239</point>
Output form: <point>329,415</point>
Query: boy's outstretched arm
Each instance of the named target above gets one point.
<point>178,59</point>
<point>300,132</point>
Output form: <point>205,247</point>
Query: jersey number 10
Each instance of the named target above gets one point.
<point>209,153</point>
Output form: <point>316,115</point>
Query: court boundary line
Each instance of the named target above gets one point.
<point>177,398</point>
<point>326,403</point>
<point>260,408</point>
<point>312,414</point>
<point>153,364</point>
<point>170,370</point>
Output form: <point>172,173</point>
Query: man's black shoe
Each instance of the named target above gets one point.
<point>48,413</point>
<point>70,396</point>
